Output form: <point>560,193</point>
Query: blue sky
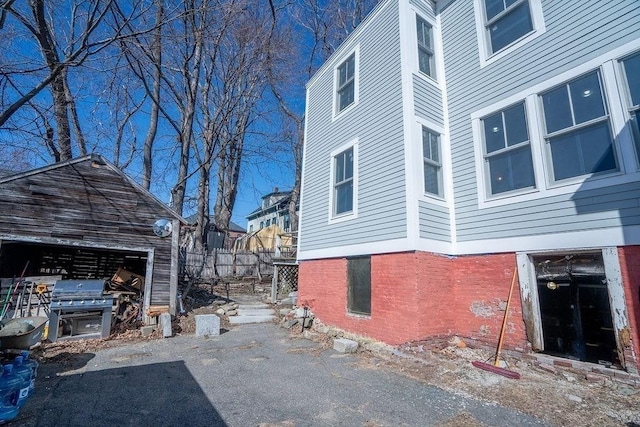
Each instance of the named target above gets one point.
<point>267,164</point>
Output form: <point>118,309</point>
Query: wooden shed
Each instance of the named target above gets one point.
<point>84,219</point>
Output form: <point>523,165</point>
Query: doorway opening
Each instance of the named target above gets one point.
<point>575,308</point>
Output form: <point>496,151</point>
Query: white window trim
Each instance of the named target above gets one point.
<point>423,195</point>
<point>608,96</point>
<point>484,46</point>
<point>333,218</point>
<point>356,83</point>
<point>529,109</point>
<point>622,108</point>
<point>435,39</point>
<point>623,138</point>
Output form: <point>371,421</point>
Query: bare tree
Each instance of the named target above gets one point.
<point>319,26</point>
<point>143,55</point>
<point>66,38</point>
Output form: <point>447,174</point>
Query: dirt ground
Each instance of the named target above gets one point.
<point>564,397</point>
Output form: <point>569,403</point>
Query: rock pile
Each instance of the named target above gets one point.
<point>228,309</point>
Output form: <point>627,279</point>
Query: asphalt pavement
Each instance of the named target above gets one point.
<point>251,375</point>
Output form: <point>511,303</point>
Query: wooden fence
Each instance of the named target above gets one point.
<point>224,264</point>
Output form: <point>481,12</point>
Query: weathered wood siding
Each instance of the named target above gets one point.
<point>224,264</point>
<point>87,206</point>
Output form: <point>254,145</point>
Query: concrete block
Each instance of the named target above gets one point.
<point>284,311</point>
<point>207,325</point>
<point>308,322</point>
<point>165,324</point>
<point>343,345</point>
<point>145,331</point>
<point>288,324</point>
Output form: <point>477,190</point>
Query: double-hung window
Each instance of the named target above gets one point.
<point>425,47</point>
<point>507,150</point>
<point>577,129</point>
<point>631,67</point>
<point>432,162</point>
<point>343,183</point>
<point>346,86</point>
<point>506,21</point>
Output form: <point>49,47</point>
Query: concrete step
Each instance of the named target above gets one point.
<point>252,306</point>
<point>254,311</point>
<point>240,319</point>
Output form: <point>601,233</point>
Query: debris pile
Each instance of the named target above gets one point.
<point>228,309</point>
<point>126,288</point>
<point>296,316</point>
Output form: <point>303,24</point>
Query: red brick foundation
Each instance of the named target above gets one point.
<point>420,295</point>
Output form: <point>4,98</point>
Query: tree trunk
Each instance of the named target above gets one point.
<point>191,77</point>
<point>75,120</point>
<point>147,155</point>
<point>58,85</point>
<point>294,201</point>
<point>202,216</point>
<point>61,117</point>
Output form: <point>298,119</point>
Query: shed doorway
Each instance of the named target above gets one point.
<point>70,262</point>
<point>575,308</point>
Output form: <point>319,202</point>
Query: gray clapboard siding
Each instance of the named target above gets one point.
<point>428,100</point>
<point>425,7</point>
<point>434,221</point>
<point>576,32</point>
<point>377,123</point>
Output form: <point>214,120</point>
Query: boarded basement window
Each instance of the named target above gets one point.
<point>359,285</point>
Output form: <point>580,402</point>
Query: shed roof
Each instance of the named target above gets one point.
<point>98,160</point>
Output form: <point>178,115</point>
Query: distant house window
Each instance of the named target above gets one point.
<point>343,182</point>
<point>578,132</point>
<point>631,68</point>
<point>261,225</point>
<point>346,83</point>
<point>507,150</point>
<point>425,47</point>
<point>507,21</point>
<point>359,285</point>
<point>268,222</point>
<point>287,222</point>
<point>432,162</point>
<point>250,228</point>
